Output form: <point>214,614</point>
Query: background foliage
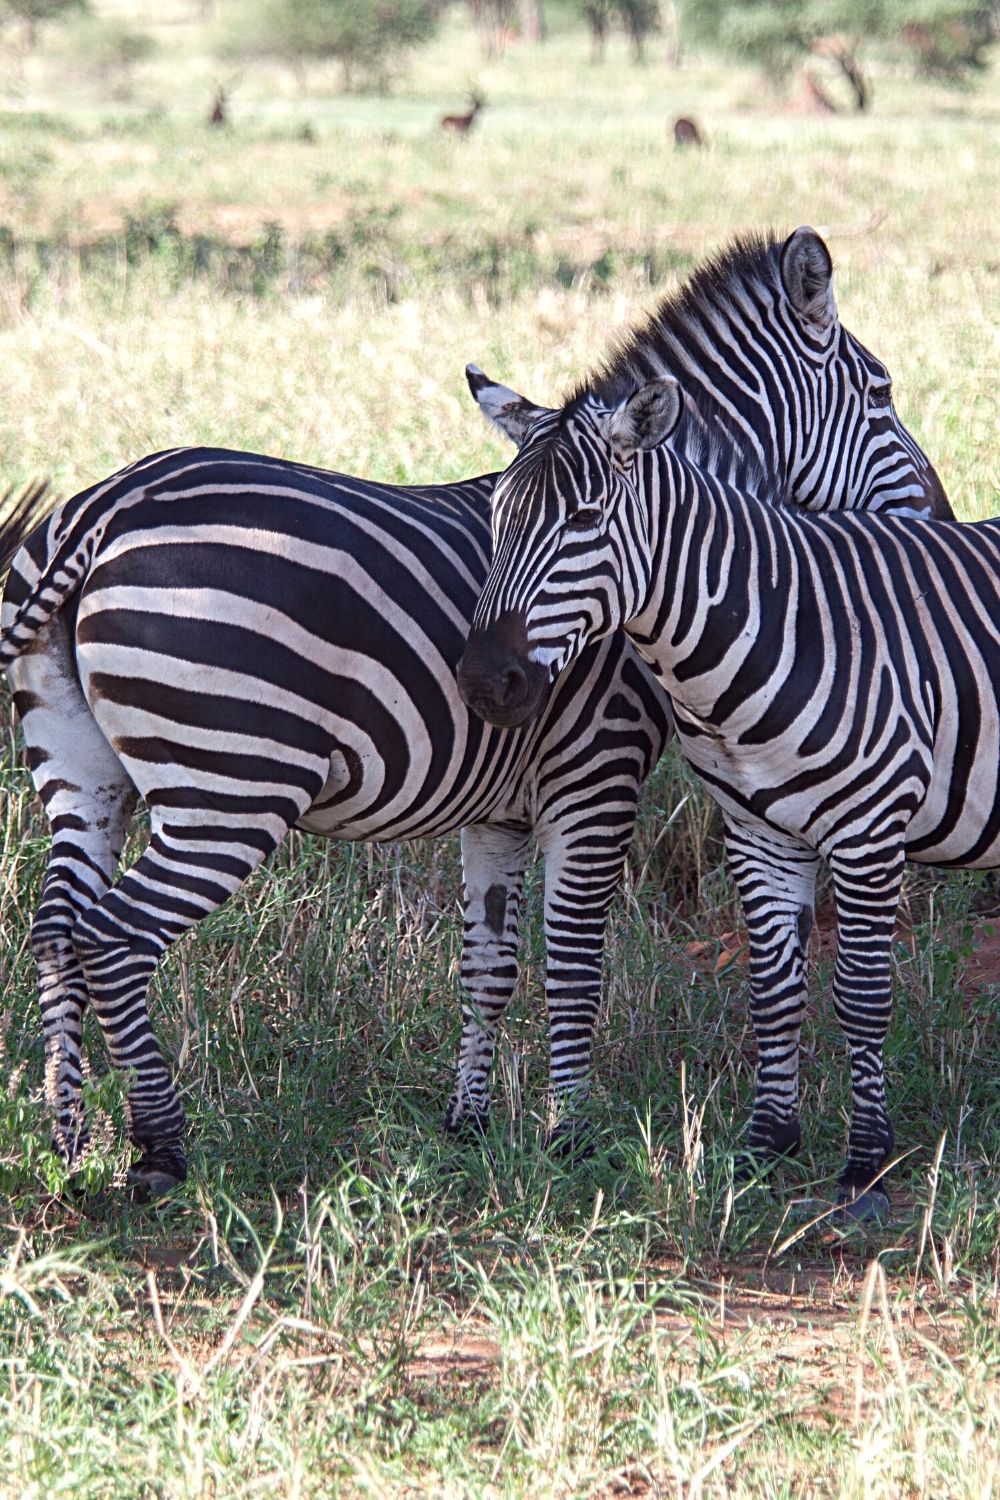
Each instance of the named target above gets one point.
<point>364,36</point>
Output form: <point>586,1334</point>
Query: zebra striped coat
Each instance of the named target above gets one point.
<point>251,644</point>
<point>835,681</point>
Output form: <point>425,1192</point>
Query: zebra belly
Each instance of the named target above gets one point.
<point>958,822</point>
<point>549,768</point>
<point>357,778</point>
<point>389,770</point>
<point>300,657</point>
<point>812,800</point>
<point>970,839</point>
<point>957,817</point>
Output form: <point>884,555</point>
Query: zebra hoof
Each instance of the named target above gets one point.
<point>780,1142</point>
<point>571,1142</point>
<point>153,1176</point>
<point>747,1168</point>
<point>869,1207</point>
<point>470,1125</point>
<point>146,1184</point>
<point>70,1145</point>
<point>756,1169</point>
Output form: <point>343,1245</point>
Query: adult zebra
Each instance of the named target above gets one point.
<point>252,644</point>
<point>835,682</point>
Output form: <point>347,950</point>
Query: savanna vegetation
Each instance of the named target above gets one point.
<point>341,1300</point>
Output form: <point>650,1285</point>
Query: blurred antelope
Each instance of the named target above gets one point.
<point>461,124</point>
<point>218,115</point>
<point>687,132</point>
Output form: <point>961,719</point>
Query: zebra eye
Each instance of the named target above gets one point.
<point>881,395</point>
<point>585,518</point>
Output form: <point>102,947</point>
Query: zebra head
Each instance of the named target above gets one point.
<point>849,450</point>
<point>571,557</point>
<point>769,370</point>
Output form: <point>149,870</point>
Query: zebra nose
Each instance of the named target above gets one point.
<point>499,684</point>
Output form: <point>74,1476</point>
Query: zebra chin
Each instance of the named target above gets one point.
<point>498,681</point>
<point>936,496</point>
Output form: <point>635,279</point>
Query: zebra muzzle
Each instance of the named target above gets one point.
<point>497,678</point>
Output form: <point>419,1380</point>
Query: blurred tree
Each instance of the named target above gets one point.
<point>768,32</point>
<point>640,18</point>
<point>494,21</point>
<point>949,36</point>
<point>31,14</point>
<point>671,21</point>
<point>532,22</point>
<point>365,36</point>
<point>110,50</point>
<point>598,15</point>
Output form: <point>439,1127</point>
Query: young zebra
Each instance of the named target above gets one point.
<point>834,679</point>
<point>251,644</point>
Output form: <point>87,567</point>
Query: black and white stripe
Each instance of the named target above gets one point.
<point>250,644</point>
<point>835,681</point>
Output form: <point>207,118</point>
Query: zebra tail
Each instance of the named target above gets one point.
<point>20,513</point>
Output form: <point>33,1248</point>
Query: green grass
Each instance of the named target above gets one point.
<point>340,1300</point>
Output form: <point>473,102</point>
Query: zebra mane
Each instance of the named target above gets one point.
<point>679,338</point>
<point>667,342</point>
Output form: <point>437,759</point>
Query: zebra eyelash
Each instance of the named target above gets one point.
<point>881,396</point>
<point>584,519</point>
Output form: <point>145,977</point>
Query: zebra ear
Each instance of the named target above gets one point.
<point>807,277</point>
<point>504,407</point>
<point>647,418</point>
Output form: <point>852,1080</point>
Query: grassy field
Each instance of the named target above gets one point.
<point>340,1300</point>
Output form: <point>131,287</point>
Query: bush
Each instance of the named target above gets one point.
<point>948,36</point>
<point>109,51</point>
<point>31,14</point>
<point>366,37</point>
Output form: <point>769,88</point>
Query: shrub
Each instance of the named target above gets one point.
<point>366,37</point>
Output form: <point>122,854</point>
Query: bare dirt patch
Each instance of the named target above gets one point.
<point>459,1352</point>
<point>983,968</point>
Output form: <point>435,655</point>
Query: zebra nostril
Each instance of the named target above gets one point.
<point>512,684</point>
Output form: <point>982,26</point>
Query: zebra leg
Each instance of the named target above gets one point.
<point>866,890</point>
<point>193,862</point>
<point>581,878</point>
<point>86,846</point>
<point>776,881</point>
<point>493,860</point>
<point>88,799</point>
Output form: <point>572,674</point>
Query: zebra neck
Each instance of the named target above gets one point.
<point>739,446</point>
<point>721,336</point>
<point>725,587</point>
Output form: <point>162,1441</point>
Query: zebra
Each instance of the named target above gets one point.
<point>835,681</point>
<point>251,644</point>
